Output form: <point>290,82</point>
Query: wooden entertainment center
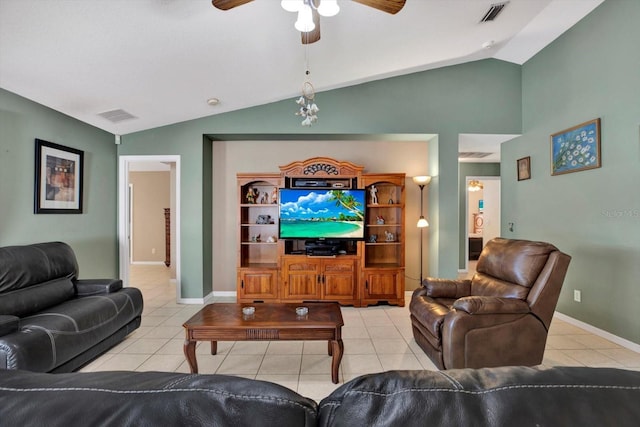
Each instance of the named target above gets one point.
<point>361,273</point>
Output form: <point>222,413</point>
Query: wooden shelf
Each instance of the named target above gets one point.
<point>382,243</point>
<point>259,243</point>
<point>392,265</point>
<point>261,265</point>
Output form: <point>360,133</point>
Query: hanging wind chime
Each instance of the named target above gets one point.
<point>308,109</point>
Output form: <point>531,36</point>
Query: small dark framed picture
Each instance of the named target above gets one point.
<point>58,179</point>
<point>524,168</point>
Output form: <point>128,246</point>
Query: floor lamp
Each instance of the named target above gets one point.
<point>422,222</point>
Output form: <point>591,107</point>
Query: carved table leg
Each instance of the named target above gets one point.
<point>190,354</point>
<point>337,348</point>
<point>214,347</point>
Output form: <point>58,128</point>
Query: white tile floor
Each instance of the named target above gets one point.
<point>375,339</point>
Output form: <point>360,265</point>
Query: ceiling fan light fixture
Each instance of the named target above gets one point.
<point>304,24</point>
<point>291,5</point>
<point>475,185</point>
<point>328,8</point>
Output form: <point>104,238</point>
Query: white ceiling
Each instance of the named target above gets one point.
<point>160,60</point>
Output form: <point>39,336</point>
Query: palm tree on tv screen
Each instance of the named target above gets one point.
<point>347,201</point>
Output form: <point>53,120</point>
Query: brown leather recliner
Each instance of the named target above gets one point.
<point>500,317</point>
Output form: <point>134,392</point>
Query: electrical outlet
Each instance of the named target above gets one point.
<point>577,295</point>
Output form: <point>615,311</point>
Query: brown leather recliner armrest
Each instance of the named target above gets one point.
<point>446,288</point>
<point>491,305</point>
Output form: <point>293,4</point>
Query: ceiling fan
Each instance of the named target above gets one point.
<point>309,12</point>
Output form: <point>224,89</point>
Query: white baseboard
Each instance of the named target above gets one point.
<point>191,301</point>
<point>599,332</point>
<point>208,299</point>
<point>225,294</point>
<point>147,263</point>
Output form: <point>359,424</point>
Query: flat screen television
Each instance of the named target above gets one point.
<point>321,213</point>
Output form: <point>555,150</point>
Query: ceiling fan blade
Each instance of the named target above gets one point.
<point>312,36</point>
<point>389,6</point>
<point>228,4</point>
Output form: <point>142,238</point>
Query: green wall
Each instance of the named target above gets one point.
<point>591,71</point>
<point>465,170</point>
<point>91,234</point>
<point>477,97</point>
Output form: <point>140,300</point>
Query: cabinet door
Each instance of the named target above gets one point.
<point>384,285</point>
<point>301,279</point>
<point>339,280</point>
<point>257,284</point>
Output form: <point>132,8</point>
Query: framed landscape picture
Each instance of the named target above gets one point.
<point>58,178</point>
<point>576,149</point>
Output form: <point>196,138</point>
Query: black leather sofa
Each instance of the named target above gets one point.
<point>50,321</point>
<point>505,396</point>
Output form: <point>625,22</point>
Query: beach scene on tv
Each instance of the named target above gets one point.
<point>322,213</point>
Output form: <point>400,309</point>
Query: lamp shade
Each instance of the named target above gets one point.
<point>422,222</point>
<point>422,179</point>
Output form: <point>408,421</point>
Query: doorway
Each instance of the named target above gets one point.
<point>482,214</point>
<point>126,214</point>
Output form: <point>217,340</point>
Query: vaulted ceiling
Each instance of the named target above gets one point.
<point>161,60</point>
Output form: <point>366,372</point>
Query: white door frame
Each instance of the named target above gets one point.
<point>124,207</point>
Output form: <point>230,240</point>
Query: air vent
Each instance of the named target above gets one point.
<point>473,155</point>
<point>493,12</point>
<point>117,116</point>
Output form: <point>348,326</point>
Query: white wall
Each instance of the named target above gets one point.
<point>234,157</point>
<point>491,197</point>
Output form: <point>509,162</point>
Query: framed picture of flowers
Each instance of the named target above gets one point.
<point>576,149</point>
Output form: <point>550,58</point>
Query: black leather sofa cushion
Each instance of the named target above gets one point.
<point>148,399</point>
<point>507,396</point>
<point>51,337</point>
<point>35,298</point>
<point>24,266</point>
<point>8,324</point>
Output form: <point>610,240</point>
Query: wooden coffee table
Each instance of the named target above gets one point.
<point>270,322</point>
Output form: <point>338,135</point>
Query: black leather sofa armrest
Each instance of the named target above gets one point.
<point>446,288</point>
<point>9,324</point>
<point>491,305</point>
<point>88,287</point>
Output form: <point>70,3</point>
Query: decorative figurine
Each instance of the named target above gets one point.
<point>374,195</point>
<point>264,219</point>
<point>251,196</point>
<point>380,220</point>
<point>389,237</point>
<point>274,195</point>
<point>264,199</point>
<point>373,238</point>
